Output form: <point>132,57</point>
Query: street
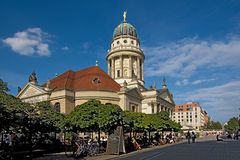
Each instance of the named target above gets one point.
<point>205,150</point>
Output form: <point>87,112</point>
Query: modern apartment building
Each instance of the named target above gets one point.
<point>190,115</point>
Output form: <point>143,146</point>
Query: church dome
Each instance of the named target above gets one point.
<point>125,29</point>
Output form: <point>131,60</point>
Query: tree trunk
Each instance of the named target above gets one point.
<point>99,132</point>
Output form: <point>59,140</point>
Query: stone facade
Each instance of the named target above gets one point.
<point>123,85</point>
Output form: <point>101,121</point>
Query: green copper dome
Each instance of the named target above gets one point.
<point>125,29</point>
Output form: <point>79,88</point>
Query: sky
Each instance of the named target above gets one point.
<point>194,44</point>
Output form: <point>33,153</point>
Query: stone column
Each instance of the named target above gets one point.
<point>155,107</point>
<point>130,66</point>
<point>113,68</point>
<point>138,68</point>
<point>109,68</point>
<point>121,66</point>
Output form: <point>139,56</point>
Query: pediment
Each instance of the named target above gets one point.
<point>134,93</point>
<point>31,90</point>
<point>166,95</point>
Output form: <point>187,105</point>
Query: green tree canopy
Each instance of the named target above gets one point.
<point>232,125</point>
<point>93,115</point>
<point>149,122</point>
<point>3,86</point>
<point>212,125</point>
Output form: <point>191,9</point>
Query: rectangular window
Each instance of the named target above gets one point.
<point>158,108</point>
<point>118,73</point>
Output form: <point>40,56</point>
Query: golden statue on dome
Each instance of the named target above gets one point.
<point>124,16</point>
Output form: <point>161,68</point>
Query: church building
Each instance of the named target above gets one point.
<point>122,85</point>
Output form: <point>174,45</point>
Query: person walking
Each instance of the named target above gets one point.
<point>193,137</point>
<point>188,137</point>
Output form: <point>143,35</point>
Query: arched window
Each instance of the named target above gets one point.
<point>57,107</point>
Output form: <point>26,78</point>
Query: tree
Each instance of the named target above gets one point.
<point>232,125</point>
<point>49,118</point>
<point>3,86</point>
<point>212,125</point>
<point>92,116</point>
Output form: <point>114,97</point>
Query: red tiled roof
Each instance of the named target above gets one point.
<point>89,79</point>
<point>184,107</point>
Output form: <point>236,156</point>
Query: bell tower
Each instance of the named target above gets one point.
<point>125,57</point>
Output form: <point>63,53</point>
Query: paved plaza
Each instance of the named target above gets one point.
<point>205,150</point>
<point>201,150</point>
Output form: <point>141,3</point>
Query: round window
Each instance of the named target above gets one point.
<point>125,41</point>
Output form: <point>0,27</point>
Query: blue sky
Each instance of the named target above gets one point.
<point>195,44</point>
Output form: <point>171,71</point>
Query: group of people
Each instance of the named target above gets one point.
<point>143,140</point>
<point>190,136</point>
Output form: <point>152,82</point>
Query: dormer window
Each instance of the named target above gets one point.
<point>96,80</point>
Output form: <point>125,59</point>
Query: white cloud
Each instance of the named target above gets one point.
<point>202,81</point>
<point>32,41</point>
<point>221,101</point>
<point>185,57</point>
<point>66,48</point>
<point>185,82</point>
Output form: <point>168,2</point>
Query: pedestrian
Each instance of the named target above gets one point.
<point>188,137</point>
<point>193,137</point>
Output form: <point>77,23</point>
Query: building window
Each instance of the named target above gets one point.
<point>118,42</point>
<point>132,42</point>
<point>152,108</point>
<point>57,107</point>
<point>125,41</point>
<point>158,108</point>
<point>133,107</point>
<point>118,73</point>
